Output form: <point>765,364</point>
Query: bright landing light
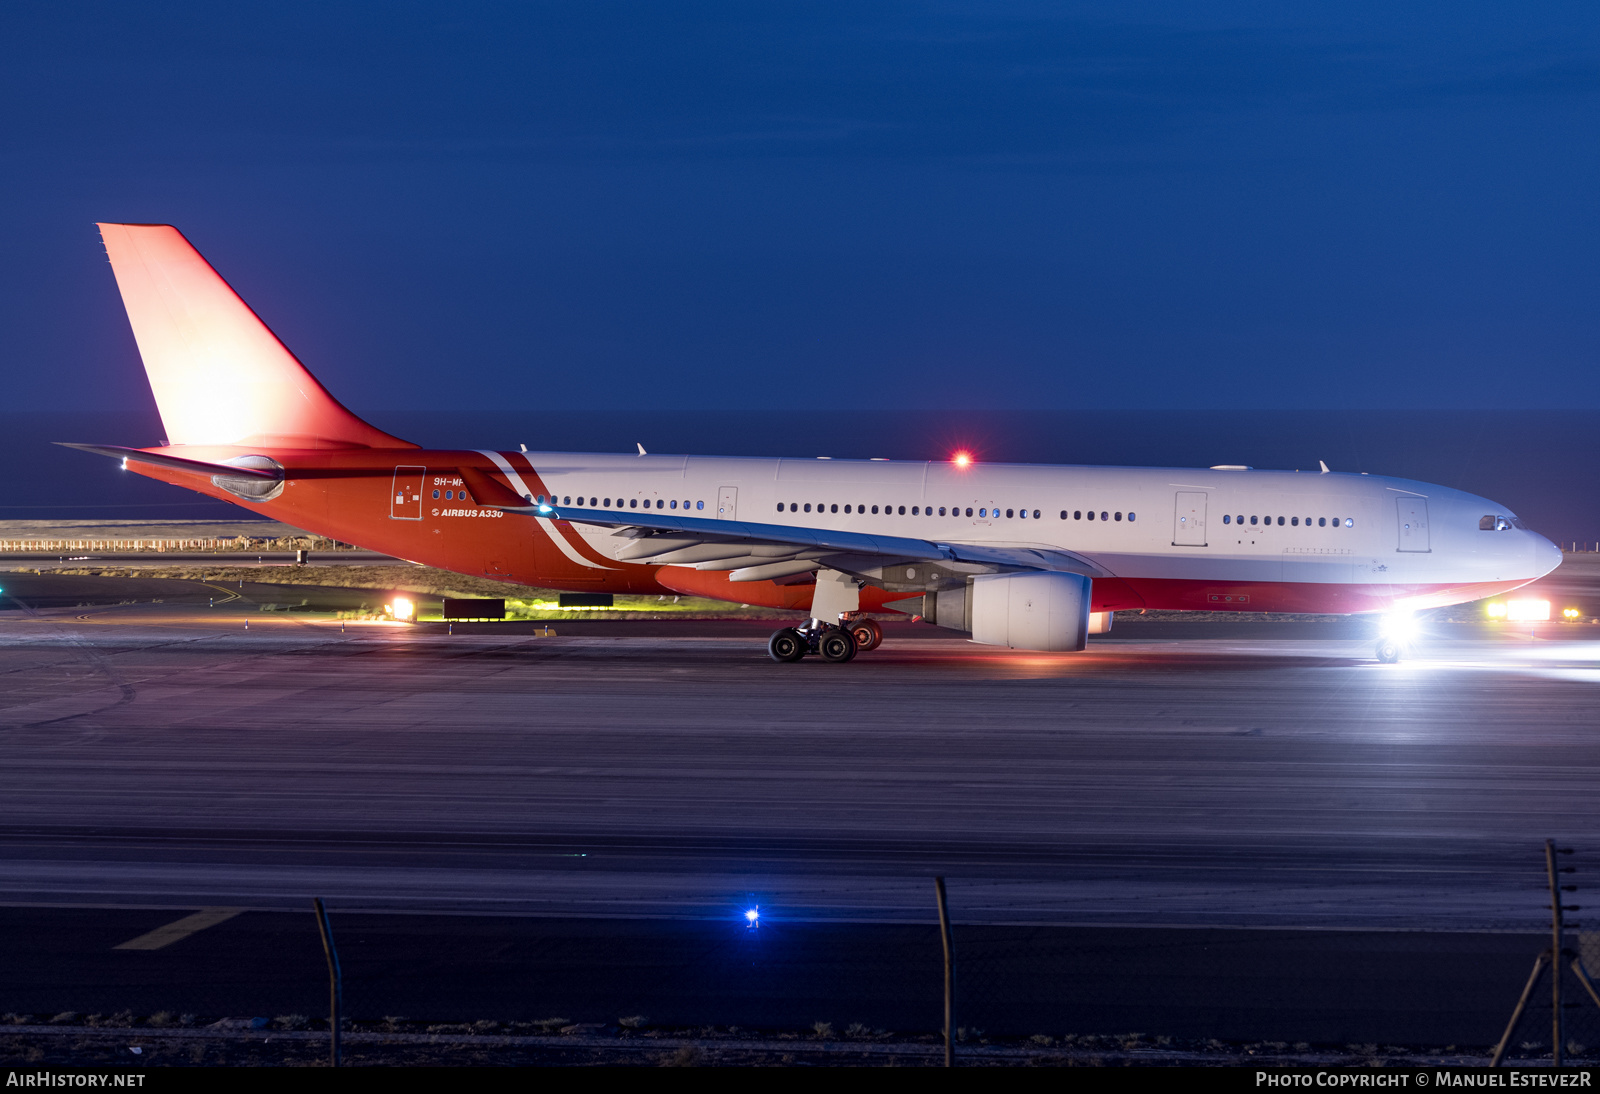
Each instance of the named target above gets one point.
<point>1399,625</point>
<point>962,459</point>
<point>403,609</point>
<point>1527,610</point>
<point>1570,613</point>
<point>752,916</point>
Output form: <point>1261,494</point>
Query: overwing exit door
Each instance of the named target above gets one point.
<point>405,500</point>
<point>1189,519</point>
<point>1413,514</point>
<point>728,503</point>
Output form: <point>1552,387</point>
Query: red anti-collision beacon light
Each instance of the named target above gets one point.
<point>962,459</point>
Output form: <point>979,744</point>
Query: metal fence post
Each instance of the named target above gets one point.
<point>949,974</point>
<point>335,979</point>
<point>1556,1031</point>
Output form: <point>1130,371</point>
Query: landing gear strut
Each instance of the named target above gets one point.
<point>831,643</point>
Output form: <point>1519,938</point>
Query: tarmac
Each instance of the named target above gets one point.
<point>1175,781</point>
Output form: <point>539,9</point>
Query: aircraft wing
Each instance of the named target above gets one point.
<point>759,552</point>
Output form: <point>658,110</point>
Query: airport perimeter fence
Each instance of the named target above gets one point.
<point>1367,996</point>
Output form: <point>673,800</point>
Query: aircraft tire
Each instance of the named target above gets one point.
<point>837,646</point>
<point>786,645</point>
<point>868,635</point>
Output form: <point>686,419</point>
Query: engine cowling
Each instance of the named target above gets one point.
<point>1031,611</point>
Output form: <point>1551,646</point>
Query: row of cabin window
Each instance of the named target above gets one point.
<point>1079,514</point>
<point>633,503</point>
<point>450,495</point>
<point>1322,522</point>
<point>916,510</point>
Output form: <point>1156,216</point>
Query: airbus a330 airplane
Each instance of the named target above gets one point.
<point>1031,557</point>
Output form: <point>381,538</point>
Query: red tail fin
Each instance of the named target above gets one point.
<point>220,377</point>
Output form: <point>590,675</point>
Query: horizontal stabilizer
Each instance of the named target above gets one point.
<point>177,463</point>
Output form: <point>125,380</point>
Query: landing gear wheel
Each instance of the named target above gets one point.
<point>1388,651</point>
<point>836,646</point>
<point>867,633</point>
<point>786,645</point>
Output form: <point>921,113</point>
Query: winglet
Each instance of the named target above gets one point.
<point>1324,467</point>
<point>642,452</point>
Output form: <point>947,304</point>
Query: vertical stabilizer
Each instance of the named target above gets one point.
<point>220,377</point>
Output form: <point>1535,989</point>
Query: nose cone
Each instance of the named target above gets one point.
<point>1546,555</point>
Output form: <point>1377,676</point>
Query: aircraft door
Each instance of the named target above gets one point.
<point>1189,519</point>
<point>1413,513</point>
<point>728,503</point>
<point>405,500</point>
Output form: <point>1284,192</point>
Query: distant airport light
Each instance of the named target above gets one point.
<point>1570,613</point>
<point>962,459</point>
<point>1527,611</point>
<point>1495,611</point>
<point>752,916</point>
<point>404,610</point>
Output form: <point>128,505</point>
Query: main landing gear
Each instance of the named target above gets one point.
<point>837,644</point>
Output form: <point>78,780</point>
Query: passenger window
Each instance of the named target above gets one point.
<point>1091,514</point>
<point>1102,515</point>
<point>969,510</point>
<point>1226,519</point>
<point>436,494</point>
<point>1131,517</point>
<point>834,509</point>
<point>1119,516</point>
<point>902,510</point>
<point>1009,513</point>
<point>1280,522</point>
<point>913,510</point>
<point>941,510</point>
<point>874,510</point>
<point>633,503</point>
<point>808,507</point>
<point>1252,520</point>
<point>1322,522</point>
<point>1294,521</point>
<point>1349,522</point>
<point>702,505</point>
<point>1077,514</point>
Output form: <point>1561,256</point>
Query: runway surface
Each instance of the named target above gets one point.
<point>1261,774</point>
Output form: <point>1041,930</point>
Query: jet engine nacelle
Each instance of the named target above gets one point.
<point>1030,611</point>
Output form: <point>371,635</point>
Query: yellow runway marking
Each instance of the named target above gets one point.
<point>180,929</point>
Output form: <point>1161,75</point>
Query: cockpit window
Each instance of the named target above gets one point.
<point>1516,522</point>
<point>1496,523</point>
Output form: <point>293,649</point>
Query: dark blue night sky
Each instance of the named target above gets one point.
<point>757,205</point>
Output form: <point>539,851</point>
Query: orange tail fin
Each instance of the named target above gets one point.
<point>220,377</point>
